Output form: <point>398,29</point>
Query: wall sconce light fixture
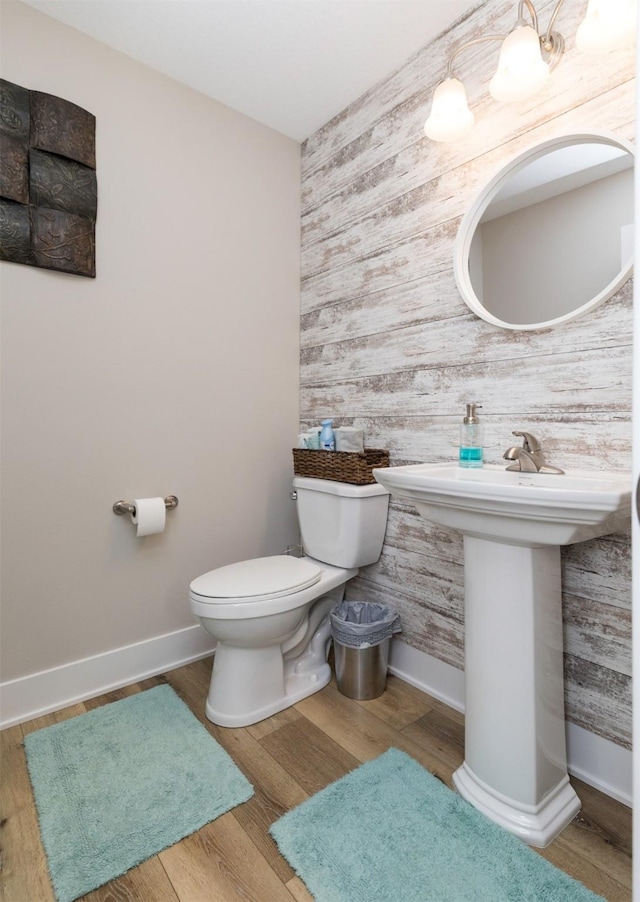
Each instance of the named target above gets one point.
<point>527,56</point>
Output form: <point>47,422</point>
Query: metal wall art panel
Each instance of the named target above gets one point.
<point>63,241</point>
<point>62,184</point>
<point>14,142</point>
<point>61,127</point>
<point>15,233</point>
<point>48,184</point>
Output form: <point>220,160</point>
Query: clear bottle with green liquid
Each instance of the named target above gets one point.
<point>471,446</point>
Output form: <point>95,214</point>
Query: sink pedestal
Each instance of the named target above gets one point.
<point>515,768</point>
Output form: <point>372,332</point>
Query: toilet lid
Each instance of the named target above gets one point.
<point>264,577</point>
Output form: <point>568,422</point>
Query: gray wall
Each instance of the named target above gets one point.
<point>174,371</point>
<point>388,344</point>
<point>561,252</point>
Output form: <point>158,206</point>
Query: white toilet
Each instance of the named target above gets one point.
<point>271,615</point>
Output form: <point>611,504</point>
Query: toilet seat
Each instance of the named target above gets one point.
<point>251,606</point>
<point>260,578</point>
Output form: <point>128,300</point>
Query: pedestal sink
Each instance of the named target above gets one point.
<point>515,767</point>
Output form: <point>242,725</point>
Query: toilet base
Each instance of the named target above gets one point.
<point>296,687</point>
<point>250,684</point>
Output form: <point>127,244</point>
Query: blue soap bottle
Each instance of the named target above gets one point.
<point>327,438</point>
<point>471,450</point>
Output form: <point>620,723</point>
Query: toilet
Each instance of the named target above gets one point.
<point>270,615</point>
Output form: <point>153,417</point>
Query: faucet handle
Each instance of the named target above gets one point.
<point>530,442</point>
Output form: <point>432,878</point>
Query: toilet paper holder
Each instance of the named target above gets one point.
<point>125,507</point>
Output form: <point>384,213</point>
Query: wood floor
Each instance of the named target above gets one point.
<point>287,758</point>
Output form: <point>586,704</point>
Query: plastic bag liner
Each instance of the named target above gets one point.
<point>360,624</point>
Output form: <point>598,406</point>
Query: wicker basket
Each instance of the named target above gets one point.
<point>341,466</point>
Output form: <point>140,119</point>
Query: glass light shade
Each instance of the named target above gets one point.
<point>521,70</point>
<point>608,25</point>
<point>450,117</point>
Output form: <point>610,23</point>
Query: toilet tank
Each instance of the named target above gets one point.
<point>341,524</point>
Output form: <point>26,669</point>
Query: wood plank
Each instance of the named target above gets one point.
<point>414,534</point>
<point>597,633</point>
<point>148,882</point>
<point>255,817</point>
<point>441,732</point>
<point>562,853</point>
<point>115,695</point>
<point>595,848</point>
<point>608,821</point>
<point>428,344</point>
<point>595,380</point>
<point>39,723</point>
<point>399,705</point>
<point>262,729</point>
<point>407,304</point>
<point>220,862</point>
<point>437,583</point>
<point>416,257</point>
<point>598,699</point>
<point>299,891</point>
<point>25,875</point>
<point>311,758</point>
<point>599,570</point>
<point>70,712</point>
<point>423,627</point>
<point>364,735</point>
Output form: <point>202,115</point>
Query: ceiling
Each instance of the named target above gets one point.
<point>290,64</point>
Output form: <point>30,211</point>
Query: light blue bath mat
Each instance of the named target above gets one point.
<point>390,830</point>
<point>120,783</point>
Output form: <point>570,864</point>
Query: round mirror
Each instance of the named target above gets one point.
<point>551,236</point>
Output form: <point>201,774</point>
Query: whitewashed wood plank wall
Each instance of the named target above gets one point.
<point>388,344</point>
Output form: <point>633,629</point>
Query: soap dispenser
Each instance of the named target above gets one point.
<point>471,450</point>
<point>327,437</point>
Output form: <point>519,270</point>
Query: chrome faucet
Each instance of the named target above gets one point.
<point>529,458</point>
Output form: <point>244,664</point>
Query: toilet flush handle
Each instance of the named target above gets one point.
<point>293,495</point>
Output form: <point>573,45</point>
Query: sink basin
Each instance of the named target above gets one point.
<point>515,767</point>
<point>516,508</point>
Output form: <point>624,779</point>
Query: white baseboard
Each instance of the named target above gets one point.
<point>600,763</point>
<point>592,759</point>
<point>49,690</point>
<point>442,681</point>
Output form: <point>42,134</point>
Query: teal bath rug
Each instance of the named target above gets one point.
<point>390,830</point>
<point>120,783</point>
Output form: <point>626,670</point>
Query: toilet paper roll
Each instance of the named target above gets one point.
<point>150,516</point>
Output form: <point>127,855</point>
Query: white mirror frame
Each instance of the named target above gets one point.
<point>473,216</point>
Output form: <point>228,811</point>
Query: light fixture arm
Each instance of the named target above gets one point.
<point>532,12</point>
<point>547,40</point>
<point>458,50</point>
<point>552,43</point>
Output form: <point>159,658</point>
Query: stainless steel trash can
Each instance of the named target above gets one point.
<point>362,632</point>
<point>362,672</point>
